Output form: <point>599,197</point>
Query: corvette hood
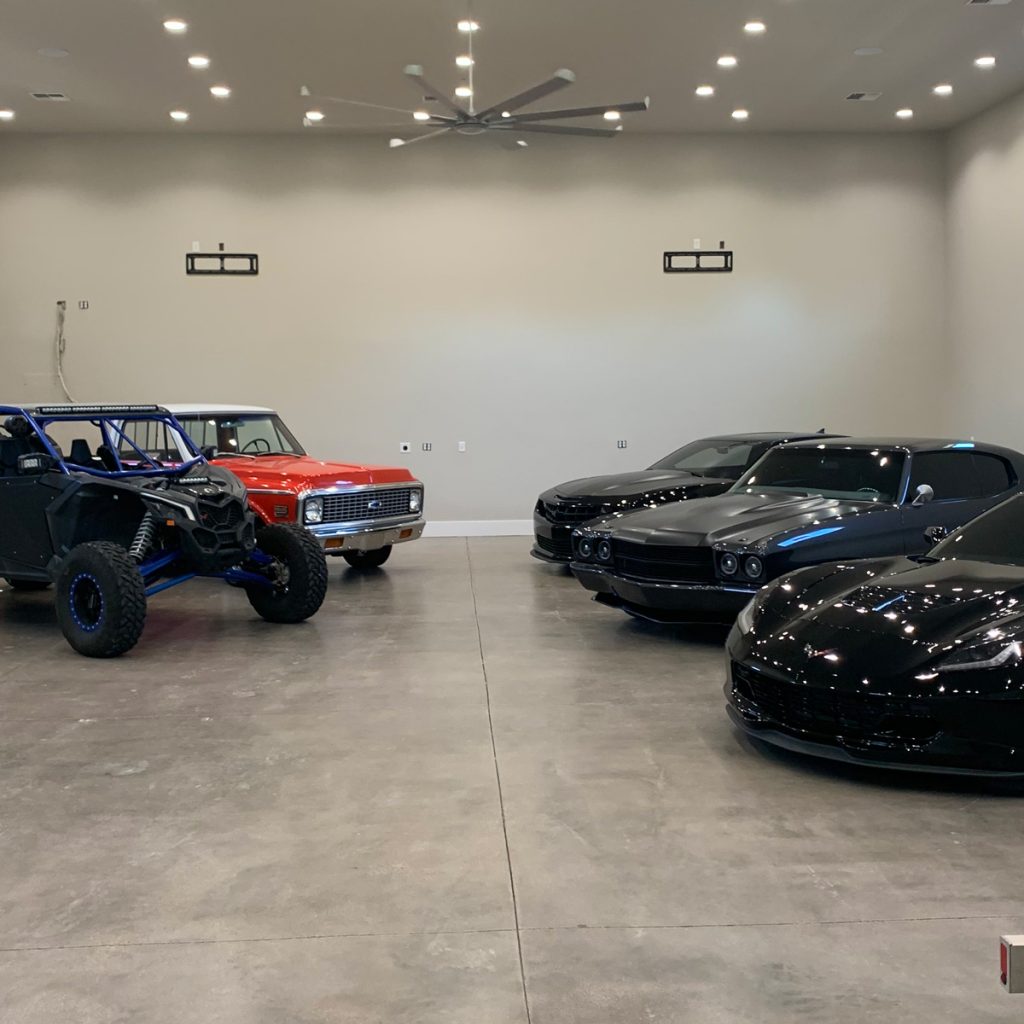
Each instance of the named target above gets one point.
<point>297,474</point>
<point>624,485</point>
<point>736,518</point>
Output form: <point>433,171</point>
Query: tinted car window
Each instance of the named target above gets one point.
<point>994,474</point>
<point>858,474</point>
<point>715,458</point>
<point>950,474</point>
<point>995,536</point>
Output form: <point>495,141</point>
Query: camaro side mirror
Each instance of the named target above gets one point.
<point>936,533</point>
<point>923,494</point>
<point>35,463</point>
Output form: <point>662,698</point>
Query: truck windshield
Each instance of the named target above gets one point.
<point>241,434</point>
<point>857,474</point>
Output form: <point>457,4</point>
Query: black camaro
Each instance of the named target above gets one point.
<point>908,663</point>
<point>802,504</point>
<point>697,470</point>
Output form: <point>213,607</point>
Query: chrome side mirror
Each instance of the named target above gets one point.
<point>923,494</point>
<point>934,534</point>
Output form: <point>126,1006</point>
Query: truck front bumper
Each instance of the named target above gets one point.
<point>338,538</point>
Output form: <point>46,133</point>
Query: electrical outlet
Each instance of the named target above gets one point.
<point>405,446</point>
<point>622,444</point>
<point>428,446</point>
<point>83,304</point>
<point>462,446</point>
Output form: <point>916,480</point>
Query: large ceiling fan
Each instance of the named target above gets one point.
<point>503,118</point>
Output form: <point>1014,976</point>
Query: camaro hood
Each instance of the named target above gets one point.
<point>735,518</point>
<point>298,473</point>
<point>625,485</point>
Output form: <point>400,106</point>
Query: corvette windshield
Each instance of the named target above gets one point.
<point>995,536</point>
<point>716,457</point>
<point>848,473</point>
<point>242,434</point>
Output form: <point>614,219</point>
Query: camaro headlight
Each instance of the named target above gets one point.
<point>415,500</point>
<point>992,653</point>
<point>314,510</point>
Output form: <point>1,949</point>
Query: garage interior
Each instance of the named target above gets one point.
<point>464,792</point>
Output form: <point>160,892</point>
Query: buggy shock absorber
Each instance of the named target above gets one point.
<point>143,540</point>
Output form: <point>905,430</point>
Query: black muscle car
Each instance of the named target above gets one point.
<point>908,663</point>
<point>802,504</point>
<point>696,470</point>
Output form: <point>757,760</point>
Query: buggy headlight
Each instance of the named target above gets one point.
<point>993,653</point>
<point>415,500</point>
<point>314,510</point>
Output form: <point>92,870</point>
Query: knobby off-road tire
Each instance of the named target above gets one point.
<point>27,585</point>
<point>306,566</point>
<point>101,600</point>
<point>368,559</point>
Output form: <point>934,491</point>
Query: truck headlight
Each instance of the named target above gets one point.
<point>415,500</point>
<point>314,510</point>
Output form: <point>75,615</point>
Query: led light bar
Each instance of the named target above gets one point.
<point>94,410</point>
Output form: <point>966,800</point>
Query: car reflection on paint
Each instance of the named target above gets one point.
<point>914,663</point>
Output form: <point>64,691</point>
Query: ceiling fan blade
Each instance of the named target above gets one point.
<point>395,143</point>
<point>550,115</point>
<point>557,129</point>
<point>561,78</point>
<point>357,103</point>
<point>415,72</point>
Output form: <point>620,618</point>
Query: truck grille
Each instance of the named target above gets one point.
<point>856,720</point>
<point>568,513</point>
<point>671,564</point>
<point>355,506</point>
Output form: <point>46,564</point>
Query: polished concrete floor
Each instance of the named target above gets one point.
<point>464,794</point>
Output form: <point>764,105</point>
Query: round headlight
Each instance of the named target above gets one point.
<point>729,564</point>
<point>415,500</point>
<point>314,510</point>
<point>753,567</point>
<point>586,548</point>
<point>604,551</point>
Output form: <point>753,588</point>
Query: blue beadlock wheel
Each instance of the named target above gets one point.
<point>85,600</point>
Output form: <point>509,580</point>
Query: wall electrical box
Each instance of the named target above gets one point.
<point>1011,963</point>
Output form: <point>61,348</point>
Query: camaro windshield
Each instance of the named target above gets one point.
<point>995,536</point>
<point>716,457</point>
<point>848,473</point>
<point>241,434</point>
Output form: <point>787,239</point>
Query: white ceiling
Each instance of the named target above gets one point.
<point>125,73</point>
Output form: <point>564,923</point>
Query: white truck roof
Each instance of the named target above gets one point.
<point>205,409</point>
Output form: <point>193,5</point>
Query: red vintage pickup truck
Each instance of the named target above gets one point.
<point>356,511</point>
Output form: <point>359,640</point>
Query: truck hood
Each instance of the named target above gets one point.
<point>598,489</point>
<point>299,473</point>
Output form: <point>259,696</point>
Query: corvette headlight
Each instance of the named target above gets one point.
<point>745,619</point>
<point>314,510</point>
<point>989,654</point>
<point>415,500</point>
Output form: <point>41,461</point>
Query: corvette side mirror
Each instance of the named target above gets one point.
<point>35,464</point>
<point>936,533</point>
<point>924,494</point>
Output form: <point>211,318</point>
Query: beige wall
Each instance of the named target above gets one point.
<point>511,300</point>
<point>986,273</point>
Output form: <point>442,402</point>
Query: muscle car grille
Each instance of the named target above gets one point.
<point>354,506</point>
<point>857,721</point>
<point>671,564</point>
<point>570,513</point>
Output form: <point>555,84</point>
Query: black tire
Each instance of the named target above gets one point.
<point>303,558</point>
<point>27,585</point>
<point>368,559</point>
<point>101,600</point>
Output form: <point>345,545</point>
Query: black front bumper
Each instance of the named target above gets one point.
<point>971,736</point>
<point>664,602</point>
<point>552,542</point>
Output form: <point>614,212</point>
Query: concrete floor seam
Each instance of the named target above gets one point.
<point>497,776</point>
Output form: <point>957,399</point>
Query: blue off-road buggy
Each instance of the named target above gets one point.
<point>113,503</point>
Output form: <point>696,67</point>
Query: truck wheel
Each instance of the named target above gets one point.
<point>368,559</point>
<point>26,584</point>
<point>101,600</point>
<point>303,567</point>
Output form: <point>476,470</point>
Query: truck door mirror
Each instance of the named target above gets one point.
<point>923,495</point>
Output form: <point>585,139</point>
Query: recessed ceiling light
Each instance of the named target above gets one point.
<point>222,92</point>
<point>522,142</point>
<point>466,25</point>
<point>395,143</point>
<point>421,115</point>
<point>463,90</point>
<point>740,115</point>
<point>705,90</point>
<point>727,61</point>
<point>179,115</point>
<point>53,51</point>
<point>505,113</point>
<point>985,62</point>
<point>464,60</point>
<point>905,114</point>
<point>6,115</point>
<point>314,115</point>
<point>755,28</point>
<point>945,89</point>
<point>197,60</point>
<point>868,51</point>
<point>176,25</point>
<point>612,115</point>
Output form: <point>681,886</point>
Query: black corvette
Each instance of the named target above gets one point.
<point>696,470</point>
<point>909,663</point>
<point>802,504</point>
